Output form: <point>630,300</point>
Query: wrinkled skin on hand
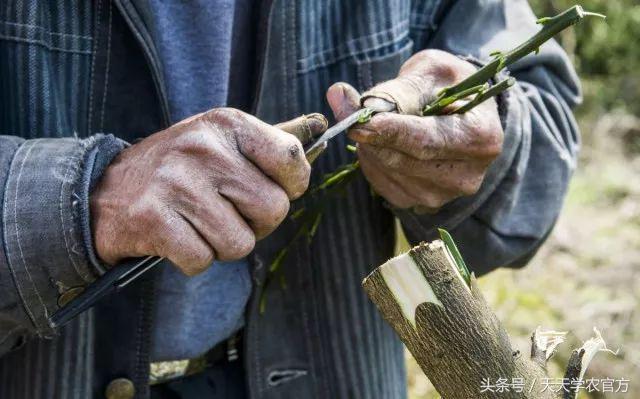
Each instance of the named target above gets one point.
<point>422,162</point>
<point>206,188</point>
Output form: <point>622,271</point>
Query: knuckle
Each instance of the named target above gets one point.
<point>446,72</point>
<point>190,256</point>
<point>223,114</point>
<point>277,207</point>
<point>445,65</point>
<point>489,137</point>
<point>492,151</point>
<point>392,160</point>
<point>271,209</point>
<point>434,201</point>
<point>194,262</point>
<point>199,260</point>
<point>292,148</point>
<point>300,180</point>
<point>492,146</point>
<point>401,202</point>
<point>193,141</point>
<point>166,175</point>
<point>434,54</point>
<point>240,242</point>
<point>470,187</point>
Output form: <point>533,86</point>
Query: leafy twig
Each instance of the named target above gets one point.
<point>550,27</point>
<point>437,107</point>
<point>484,95</point>
<point>308,220</point>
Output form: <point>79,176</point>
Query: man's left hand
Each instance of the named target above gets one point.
<point>422,162</point>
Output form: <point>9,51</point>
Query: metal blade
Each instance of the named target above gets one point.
<point>338,128</point>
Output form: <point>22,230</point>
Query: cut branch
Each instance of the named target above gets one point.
<point>454,335</point>
<point>550,27</point>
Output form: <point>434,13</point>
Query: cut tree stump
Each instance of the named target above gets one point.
<point>454,335</point>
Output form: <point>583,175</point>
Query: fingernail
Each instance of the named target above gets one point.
<point>317,123</point>
<point>379,104</point>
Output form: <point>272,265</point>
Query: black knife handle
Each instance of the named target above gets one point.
<point>114,279</point>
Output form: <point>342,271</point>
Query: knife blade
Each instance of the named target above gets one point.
<point>338,128</point>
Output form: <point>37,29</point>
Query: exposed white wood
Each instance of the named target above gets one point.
<point>408,285</point>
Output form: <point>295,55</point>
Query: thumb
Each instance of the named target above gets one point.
<point>343,100</point>
<point>305,127</point>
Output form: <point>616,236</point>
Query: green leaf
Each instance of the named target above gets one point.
<point>457,257</point>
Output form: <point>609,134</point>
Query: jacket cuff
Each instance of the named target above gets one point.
<point>423,227</point>
<point>46,196</point>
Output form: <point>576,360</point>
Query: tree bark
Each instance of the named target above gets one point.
<point>452,332</point>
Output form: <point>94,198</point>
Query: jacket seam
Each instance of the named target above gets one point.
<point>36,27</point>
<point>108,62</point>
<point>129,13</point>
<point>5,241</point>
<point>332,55</point>
<point>15,222</point>
<point>44,44</point>
<point>93,65</point>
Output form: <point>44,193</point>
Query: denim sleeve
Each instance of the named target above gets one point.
<point>44,213</point>
<point>520,199</point>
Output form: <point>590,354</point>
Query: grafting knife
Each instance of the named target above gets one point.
<point>124,273</point>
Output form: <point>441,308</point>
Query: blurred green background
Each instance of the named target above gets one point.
<point>588,273</point>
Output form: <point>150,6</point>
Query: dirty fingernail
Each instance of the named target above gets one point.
<point>317,123</point>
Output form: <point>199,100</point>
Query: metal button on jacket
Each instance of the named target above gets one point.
<point>120,388</point>
<point>68,295</point>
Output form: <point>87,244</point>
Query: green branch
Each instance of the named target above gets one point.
<point>483,96</point>
<point>438,107</point>
<point>550,27</point>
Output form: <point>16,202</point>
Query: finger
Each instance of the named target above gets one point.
<point>343,99</point>
<point>420,79</point>
<point>220,224</point>
<point>406,92</point>
<point>462,176</point>
<point>443,137</point>
<point>278,155</point>
<point>260,201</point>
<point>403,191</point>
<point>427,195</point>
<point>178,241</point>
<point>384,185</point>
<point>305,127</point>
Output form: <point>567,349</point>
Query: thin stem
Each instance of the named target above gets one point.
<point>440,105</point>
<point>493,91</point>
<point>550,27</point>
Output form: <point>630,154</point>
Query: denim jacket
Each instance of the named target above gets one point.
<point>78,79</point>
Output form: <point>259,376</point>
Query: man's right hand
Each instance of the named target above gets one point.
<point>206,188</point>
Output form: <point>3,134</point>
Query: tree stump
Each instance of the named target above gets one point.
<point>454,335</point>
